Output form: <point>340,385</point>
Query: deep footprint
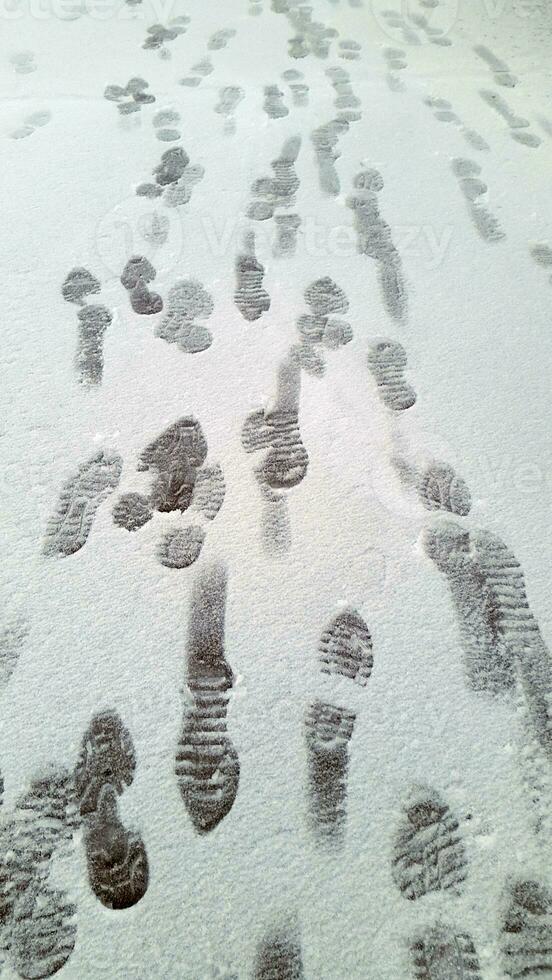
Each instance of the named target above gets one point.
<point>116,857</point>
<point>428,851</point>
<point>526,940</point>
<point>440,488</point>
<point>375,240</point>
<point>187,301</point>
<point>278,956</point>
<point>328,731</point>
<point>442,954</point>
<point>387,363</point>
<point>80,498</point>
<point>206,766</point>
<point>346,648</point>
<point>251,299</point>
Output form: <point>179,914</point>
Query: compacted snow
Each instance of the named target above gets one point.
<point>276,469</point>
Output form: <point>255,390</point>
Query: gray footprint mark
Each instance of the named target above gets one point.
<point>374,240</point>
<point>501,73</point>
<point>299,89</point>
<point>188,301</point>
<point>250,297</point>
<point>229,99</point>
<point>180,483</point>
<point>387,364</point>
<point>428,851</point>
<point>440,952</point>
<point>515,123</point>
<point>273,103</point>
<point>158,35</point>
<point>207,767</point>
<point>468,175</point>
<point>165,124</point>
<point>136,275</point>
<point>320,328</point>
<point>328,732</point>
<point>130,97</point>
<point>79,500</point>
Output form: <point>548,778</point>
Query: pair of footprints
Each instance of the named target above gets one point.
<point>207,765</point>
<point>38,921</point>
<point>188,301</point>
<point>181,482</point>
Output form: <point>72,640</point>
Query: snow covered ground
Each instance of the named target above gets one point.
<point>296,185</point>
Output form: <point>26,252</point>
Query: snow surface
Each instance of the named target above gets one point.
<point>106,626</point>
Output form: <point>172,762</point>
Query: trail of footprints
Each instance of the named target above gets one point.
<point>503,649</point>
<point>500,637</point>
